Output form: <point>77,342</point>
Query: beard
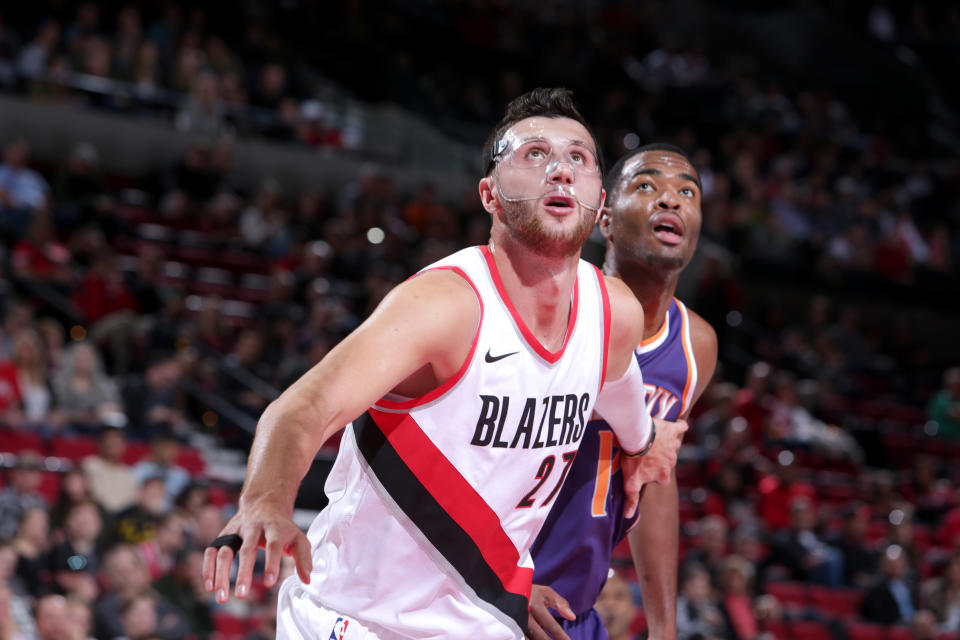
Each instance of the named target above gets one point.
<point>528,229</point>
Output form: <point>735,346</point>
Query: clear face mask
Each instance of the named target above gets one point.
<point>525,169</point>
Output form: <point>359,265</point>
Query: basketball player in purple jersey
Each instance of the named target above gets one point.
<point>651,221</point>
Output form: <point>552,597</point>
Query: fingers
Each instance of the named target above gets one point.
<point>209,568</point>
<point>541,625</point>
<point>631,503</point>
<point>303,557</point>
<point>271,564</point>
<point>248,558</point>
<point>560,605</point>
<point>221,580</point>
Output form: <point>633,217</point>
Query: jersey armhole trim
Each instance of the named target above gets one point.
<point>690,386</point>
<point>403,405</point>
<point>606,324</point>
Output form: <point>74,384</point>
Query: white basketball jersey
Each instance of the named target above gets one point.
<point>435,501</point>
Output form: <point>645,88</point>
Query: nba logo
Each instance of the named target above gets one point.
<point>339,628</point>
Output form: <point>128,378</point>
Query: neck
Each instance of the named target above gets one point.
<point>539,287</point>
<point>654,290</point>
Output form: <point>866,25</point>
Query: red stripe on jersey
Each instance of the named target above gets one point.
<point>446,386</point>
<point>551,357</point>
<point>606,324</point>
<point>457,497</point>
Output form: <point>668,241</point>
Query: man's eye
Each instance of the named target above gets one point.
<point>687,191</point>
<point>535,154</point>
<point>645,186</point>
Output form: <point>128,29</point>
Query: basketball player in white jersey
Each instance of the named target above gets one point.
<point>473,383</point>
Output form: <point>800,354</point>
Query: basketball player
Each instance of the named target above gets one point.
<point>651,221</point>
<point>476,380</point>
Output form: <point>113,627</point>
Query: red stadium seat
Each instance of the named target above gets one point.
<point>899,633</point>
<point>73,447</point>
<point>790,593</point>
<point>865,631</point>
<point>230,626</point>
<point>777,628</point>
<point>841,603</point>
<point>50,486</point>
<point>136,451</point>
<point>192,460</point>
<point>15,441</point>
<point>809,630</point>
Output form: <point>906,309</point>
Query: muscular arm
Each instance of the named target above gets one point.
<point>419,335</point>
<point>654,542</point>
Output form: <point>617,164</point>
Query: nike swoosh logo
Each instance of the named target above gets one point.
<point>490,358</point>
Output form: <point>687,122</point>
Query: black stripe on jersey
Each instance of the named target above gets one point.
<point>440,529</point>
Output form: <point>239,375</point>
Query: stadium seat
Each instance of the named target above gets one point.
<point>50,486</point>
<point>899,633</point>
<point>840,603</point>
<point>230,626</point>
<point>865,631</point>
<point>789,592</point>
<point>809,630</point>
<point>192,460</point>
<point>73,447</point>
<point>15,441</point>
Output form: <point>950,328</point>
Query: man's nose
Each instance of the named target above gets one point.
<point>560,172</point>
<point>668,200</point>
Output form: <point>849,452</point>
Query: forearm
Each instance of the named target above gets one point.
<point>654,544</point>
<point>622,404</point>
<point>289,433</point>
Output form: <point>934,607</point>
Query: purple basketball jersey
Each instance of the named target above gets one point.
<point>572,551</point>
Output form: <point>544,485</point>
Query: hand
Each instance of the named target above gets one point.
<point>259,524</point>
<point>655,465</point>
<point>541,622</point>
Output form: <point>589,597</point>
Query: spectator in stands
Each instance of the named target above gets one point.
<point>73,491</point>
<point>81,547</point>
<point>736,598</point>
<point>79,193</point>
<point>85,395</point>
<point>710,546</point>
<point>9,627</point>
<point>615,606</point>
<point>71,578</point>
<point>23,192</point>
<point>944,407</point>
<point>140,617</point>
<point>33,382</point>
<point>159,551</point>
<point>859,559</point>
<point>183,587</point>
<point>81,619</point>
<point>139,521</point>
<point>125,578</point>
<point>266,613</point>
<point>803,551</point>
<point>17,613</point>
<point>40,260</point>
<point>890,600</point>
<point>22,493</point>
<point>753,402</point>
<point>161,462</point>
<point>941,595</point>
<point>154,409</point>
<point>53,618</point>
<point>698,612</point>
<point>32,544</point>
<point>103,292</point>
<point>111,480</point>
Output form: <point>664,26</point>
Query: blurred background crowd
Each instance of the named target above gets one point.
<point>148,316</point>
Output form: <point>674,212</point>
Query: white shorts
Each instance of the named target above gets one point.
<point>299,617</point>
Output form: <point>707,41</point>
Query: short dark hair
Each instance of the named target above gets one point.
<point>554,102</point>
<point>612,179</point>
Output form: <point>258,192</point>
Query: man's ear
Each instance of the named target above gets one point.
<point>605,223</point>
<point>488,195</point>
<point>603,199</point>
